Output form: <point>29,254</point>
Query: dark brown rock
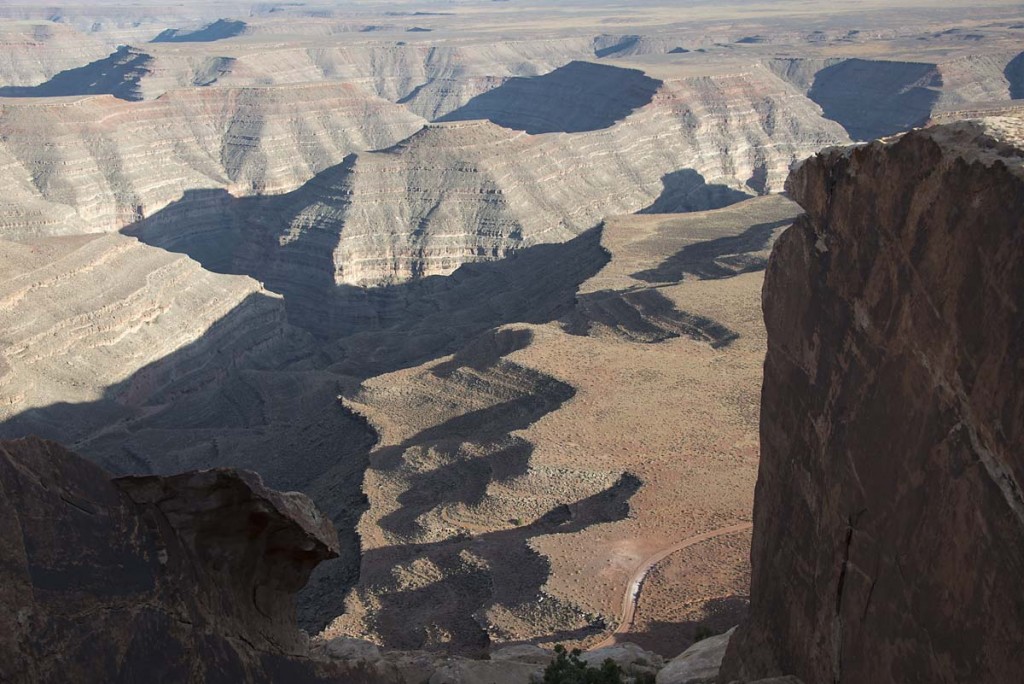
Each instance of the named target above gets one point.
<point>187,578</point>
<point>889,524</point>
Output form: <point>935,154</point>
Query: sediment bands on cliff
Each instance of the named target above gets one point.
<point>88,164</point>
<point>466,191</point>
<point>889,523</point>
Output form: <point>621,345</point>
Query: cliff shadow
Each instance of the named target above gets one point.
<point>580,96</point>
<point>118,74</point>
<point>686,190</point>
<point>723,257</point>
<point>491,571</point>
<point>259,391</point>
<point>368,330</point>
<point>669,639</point>
<point>872,98</point>
<point>1014,73</point>
<point>218,30</point>
<point>644,316</point>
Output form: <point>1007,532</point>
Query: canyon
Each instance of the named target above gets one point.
<point>484,283</point>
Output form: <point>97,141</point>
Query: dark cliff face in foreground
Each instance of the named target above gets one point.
<point>889,520</point>
<point>188,578</point>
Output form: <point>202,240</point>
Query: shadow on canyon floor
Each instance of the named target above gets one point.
<point>686,190</point>
<point>669,639</point>
<point>261,386</point>
<point>255,391</point>
<point>218,30</point>
<point>580,96</point>
<point>643,316</point>
<point>497,570</point>
<point>873,98</point>
<point>720,258</point>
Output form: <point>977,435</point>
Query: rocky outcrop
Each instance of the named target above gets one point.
<point>698,664</point>
<point>889,522</point>
<point>188,578</point>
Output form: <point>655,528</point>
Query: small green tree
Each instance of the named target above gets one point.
<point>568,668</point>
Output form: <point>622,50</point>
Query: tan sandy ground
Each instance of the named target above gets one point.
<point>678,414</point>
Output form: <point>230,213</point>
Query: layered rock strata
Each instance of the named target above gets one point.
<point>467,191</point>
<point>89,164</point>
<point>889,522</point>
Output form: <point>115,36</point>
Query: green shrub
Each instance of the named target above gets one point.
<point>567,668</point>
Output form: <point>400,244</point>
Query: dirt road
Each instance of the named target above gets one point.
<point>632,594</point>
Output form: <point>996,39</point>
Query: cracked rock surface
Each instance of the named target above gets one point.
<point>888,520</point>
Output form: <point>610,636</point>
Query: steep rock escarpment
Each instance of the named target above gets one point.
<point>88,164</point>
<point>188,578</point>
<point>889,522</point>
<point>117,74</point>
<point>72,332</point>
<point>33,51</point>
<point>468,191</point>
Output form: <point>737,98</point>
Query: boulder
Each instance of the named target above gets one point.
<point>189,578</point>
<point>631,658</point>
<point>523,653</point>
<point>698,664</point>
<point>464,671</point>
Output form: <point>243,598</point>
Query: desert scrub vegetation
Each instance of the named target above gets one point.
<point>568,668</point>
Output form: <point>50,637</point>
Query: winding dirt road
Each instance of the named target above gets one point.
<point>632,594</point>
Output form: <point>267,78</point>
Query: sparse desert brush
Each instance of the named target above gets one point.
<point>568,668</point>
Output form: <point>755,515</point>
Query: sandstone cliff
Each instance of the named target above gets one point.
<point>189,578</point>
<point>889,522</point>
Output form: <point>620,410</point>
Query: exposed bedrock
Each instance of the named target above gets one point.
<point>33,51</point>
<point>468,191</point>
<point>888,521</point>
<point>429,78</point>
<point>189,578</point>
<point>96,169</point>
<point>590,96</point>
<point>118,74</point>
<point>213,375</point>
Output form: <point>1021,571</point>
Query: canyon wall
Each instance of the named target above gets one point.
<point>96,163</point>
<point>888,521</point>
<point>477,190</point>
